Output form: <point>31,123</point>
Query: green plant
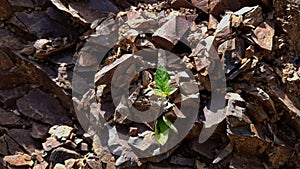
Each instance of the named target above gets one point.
<point>163,124</point>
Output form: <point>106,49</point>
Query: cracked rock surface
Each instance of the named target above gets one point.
<point>43,42</point>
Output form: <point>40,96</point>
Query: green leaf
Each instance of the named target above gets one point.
<point>162,137</point>
<point>162,78</point>
<point>170,124</point>
<point>158,92</point>
<point>169,91</point>
<point>162,127</point>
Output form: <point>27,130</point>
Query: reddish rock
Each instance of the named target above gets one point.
<point>44,107</point>
<point>6,62</point>
<point>176,4</point>
<point>39,130</point>
<point>50,144</point>
<point>19,160</point>
<point>23,138</point>
<point>39,24</point>
<point>182,161</point>
<point>224,30</point>
<point>8,118</point>
<point>13,146</point>
<point>3,145</point>
<point>263,35</point>
<point>20,4</point>
<point>170,33</point>
<point>87,11</point>
<point>212,22</point>
<point>8,97</point>
<point>11,40</point>
<point>201,4</point>
<point>93,164</point>
<point>5,10</point>
<point>61,132</point>
<point>61,154</point>
<point>217,7</point>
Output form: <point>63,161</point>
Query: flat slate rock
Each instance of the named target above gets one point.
<point>5,10</point>
<point>43,107</point>
<point>8,118</point>
<point>38,23</point>
<point>23,138</point>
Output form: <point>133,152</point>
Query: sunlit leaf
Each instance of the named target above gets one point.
<point>170,124</point>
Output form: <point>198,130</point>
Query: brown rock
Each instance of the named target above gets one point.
<point>41,106</point>
<point>41,43</point>
<point>13,146</point>
<point>84,147</point>
<point>133,131</point>
<point>248,145</point>
<point>279,156</point>
<point>9,97</point>
<point>93,164</point>
<point>5,10</point>
<point>42,165</point>
<point>8,118</point>
<point>59,166</point>
<point>236,21</point>
<point>19,160</point>
<point>28,51</point>
<point>61,132</point>
<point>23,138</point>
<point>3,145</point>
<point>50,144</point>
<point>6,62</point>
<point>252,16</point>
<point>206,149</point>
<point>182,161</point>
<point>21,4</point>
<point>39,130</point>
<point>101,151</point>
<point>233,53</point>
<point>39,24</point>
<point>139,20</point>
<point>61,154</point>
<point>111,165</point>
<point>104,76</point>
<point>91,10</point>
<point>243,162</point>
<point>87,59</point>
<point>263,35</point>
<point>224,30</point>
<point>217,7</point>
<point>201,4</point>
<point>9,39</point>
<point>199,165</point>
<point>176,4</point>
<point>170,33</point>
<point>212,22</point>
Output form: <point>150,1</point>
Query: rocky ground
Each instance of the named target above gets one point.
<point>53,116</point>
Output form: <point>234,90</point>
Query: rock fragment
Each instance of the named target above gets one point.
<point>263,35</point>
<point>41,106</point>
<point>170,33</point>
<point>19,160</point>
<point>201,4</point>
<point>6,10</point>
<point>61,132</point>
<point>21,4</point>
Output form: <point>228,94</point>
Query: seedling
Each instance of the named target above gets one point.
<point>163,124</point>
